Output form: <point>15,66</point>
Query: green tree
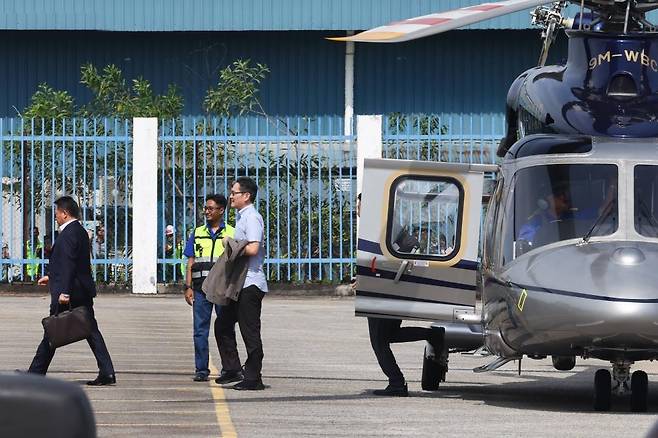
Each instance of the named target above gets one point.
<point>237,90</point>
<point>48,103</point>
<point>112,97</point>
<point>417,137</point>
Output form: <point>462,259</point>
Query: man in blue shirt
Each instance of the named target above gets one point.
<point>557,209</point>
<point>203,249</point>
<point>246,310</point>
<point>557,218</point>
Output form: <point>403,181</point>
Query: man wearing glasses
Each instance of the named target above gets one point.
<point>203,249</point>
<point>246,310</point>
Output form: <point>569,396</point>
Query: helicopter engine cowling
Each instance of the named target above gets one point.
<point>608,88</point>
<point>594,297</point>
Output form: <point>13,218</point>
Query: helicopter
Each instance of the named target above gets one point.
<point>567,263</point>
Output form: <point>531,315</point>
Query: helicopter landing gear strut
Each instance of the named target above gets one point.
<point>603,389</point>
<point>435,361</point>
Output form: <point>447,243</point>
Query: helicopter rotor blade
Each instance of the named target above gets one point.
<point>432,24</point>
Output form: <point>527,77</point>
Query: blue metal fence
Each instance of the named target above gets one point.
<point>469,138</point>
<point>305,169</point>
<point>41,160</point>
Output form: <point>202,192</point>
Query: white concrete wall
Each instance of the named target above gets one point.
<point>369,143</point>
<point>145,205</point>
<point>349,86</point>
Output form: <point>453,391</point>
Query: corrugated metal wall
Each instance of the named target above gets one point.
<point>307,71</point>
<point>226,15</point>
<point>458,72</point>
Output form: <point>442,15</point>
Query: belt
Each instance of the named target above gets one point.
<point>200,274</point>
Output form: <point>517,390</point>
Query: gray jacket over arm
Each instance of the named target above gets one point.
<point>226,277</point>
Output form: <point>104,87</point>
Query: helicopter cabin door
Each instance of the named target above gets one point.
<point>418,239</point>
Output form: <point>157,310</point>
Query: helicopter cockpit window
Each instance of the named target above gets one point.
<point>560,202</point>
<point>646,200</point>
<point>423,223</point>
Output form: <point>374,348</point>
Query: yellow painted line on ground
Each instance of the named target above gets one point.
<point>190,425</point>
<point>154,412</point>
<point>221,407</point>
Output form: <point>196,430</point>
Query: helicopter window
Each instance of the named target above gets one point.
<point>493,211</point>
<point>424,220</point>
<point>559,202</point>
<point>646,200</point>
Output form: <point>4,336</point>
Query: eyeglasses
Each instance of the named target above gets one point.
<point>211,208</point>
<point>236,193</point>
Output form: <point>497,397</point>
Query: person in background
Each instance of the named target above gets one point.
<point>169,241</point>
<point>174,250</point>
<point>71,285</point>
<point>47,246</point>
<point>384,331</point>
<point>203,249</point>
<point>34,254</point>
<point>247,309</point>
<point>99,241</point>
<point>444,249</point>
<point>5,265</point>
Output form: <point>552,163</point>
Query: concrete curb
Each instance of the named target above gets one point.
<point>278,289</point>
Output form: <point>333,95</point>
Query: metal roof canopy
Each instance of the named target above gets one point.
<point>229,15</point>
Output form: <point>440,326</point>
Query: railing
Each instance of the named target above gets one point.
<point>305,169</point>
<point>445,138</point>
<point>41,160</point>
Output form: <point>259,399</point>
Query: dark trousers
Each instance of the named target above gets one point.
<point>384,332</point>
<point>246,312</point>
<point>45,354</point>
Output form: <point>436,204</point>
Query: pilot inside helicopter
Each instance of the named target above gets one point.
<point>553,208</point>
<point>576,201</point>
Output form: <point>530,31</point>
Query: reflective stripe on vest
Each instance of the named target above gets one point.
<point>207,250</point>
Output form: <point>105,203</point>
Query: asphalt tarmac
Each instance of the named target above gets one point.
<point>319,369</point>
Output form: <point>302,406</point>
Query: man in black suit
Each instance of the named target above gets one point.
<point>70,282</point>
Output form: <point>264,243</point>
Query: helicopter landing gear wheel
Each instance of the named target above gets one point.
<point>602,390</point>
<point>639,391</point>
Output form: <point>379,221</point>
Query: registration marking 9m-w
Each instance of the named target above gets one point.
<point>630,56</point>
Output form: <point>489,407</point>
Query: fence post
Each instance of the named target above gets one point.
<point>368,143</point>
<point>145,205</point>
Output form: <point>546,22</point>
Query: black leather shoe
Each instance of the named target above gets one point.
<point>200,377</point>
<point>229,377</point>
<point>393,391</point>
<point>249,385</point>
<point>103,380</point>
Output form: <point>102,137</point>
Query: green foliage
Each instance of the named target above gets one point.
<point>399,123</point>
<point>112,97</point>
<point>299,181</point>
<point>237,90</point>
<point>416,137</point>
<point>49,103</point>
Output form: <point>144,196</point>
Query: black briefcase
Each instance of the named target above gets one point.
<point>67,327</point>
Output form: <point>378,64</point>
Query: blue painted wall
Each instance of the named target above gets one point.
<point>307,71</point>
<point>458,72</point>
